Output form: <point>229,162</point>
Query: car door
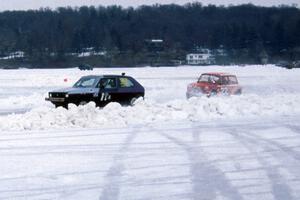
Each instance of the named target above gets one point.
<point>108,90</point>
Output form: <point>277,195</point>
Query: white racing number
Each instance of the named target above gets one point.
<point>225,91</point>
<point>105,97</point>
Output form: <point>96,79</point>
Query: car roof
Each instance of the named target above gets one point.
<point>218,74</point>
<point>105,76</point>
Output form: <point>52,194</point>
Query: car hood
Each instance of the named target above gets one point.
<point>73,90</point>
<point>198,84</point>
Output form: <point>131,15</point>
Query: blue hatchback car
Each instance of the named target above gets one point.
<point>99,89</point>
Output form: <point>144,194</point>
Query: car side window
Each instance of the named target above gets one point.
<point>214,79</point>
<point>125,82</point>
<point>108,83</point>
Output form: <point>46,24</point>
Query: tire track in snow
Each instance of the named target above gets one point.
<point>56,192</point>
<point>280,187</point>
<point>277,149</point>
<point>294,128</point>
<point>207,180</point>
<point>111,190</point>
<point>289,150</point>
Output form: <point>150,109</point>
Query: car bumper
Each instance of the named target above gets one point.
<point>55,99</point>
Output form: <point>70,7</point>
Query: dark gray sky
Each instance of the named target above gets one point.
<point>35,4</point>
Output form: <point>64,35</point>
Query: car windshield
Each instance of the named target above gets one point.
<point>203,78</point>
<point>85,82</point>
<point>209,78</point>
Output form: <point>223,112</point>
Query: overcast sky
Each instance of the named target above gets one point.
<point>35,4</point>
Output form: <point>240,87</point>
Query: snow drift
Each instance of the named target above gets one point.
<point>146,112</point>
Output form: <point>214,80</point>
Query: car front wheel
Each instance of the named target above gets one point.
<point>212,93</point>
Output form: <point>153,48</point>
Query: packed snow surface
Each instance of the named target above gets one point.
<point>163,147</point>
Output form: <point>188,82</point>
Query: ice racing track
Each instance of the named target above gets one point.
<point>218,157</point>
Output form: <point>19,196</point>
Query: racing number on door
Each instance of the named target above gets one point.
<point>105,96</point>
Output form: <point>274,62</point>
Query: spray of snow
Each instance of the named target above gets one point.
<point>145,112</point>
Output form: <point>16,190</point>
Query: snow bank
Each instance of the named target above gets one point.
<point>144,112</point>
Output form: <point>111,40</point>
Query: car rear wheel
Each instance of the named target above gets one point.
<point>132,101</point>
<point>239,92</point>
<point>188,96</point>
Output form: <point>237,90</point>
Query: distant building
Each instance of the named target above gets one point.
<point>13,55</point>
<point>201,58</point>
<point>155,45</point>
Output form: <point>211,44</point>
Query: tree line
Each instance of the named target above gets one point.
<point>247,33</point>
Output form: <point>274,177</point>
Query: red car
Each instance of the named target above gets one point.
<point>214,83</point>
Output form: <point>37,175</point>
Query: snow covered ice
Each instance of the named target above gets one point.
<point>164,147</point>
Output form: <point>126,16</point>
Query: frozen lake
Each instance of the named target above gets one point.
<point>166,147</point>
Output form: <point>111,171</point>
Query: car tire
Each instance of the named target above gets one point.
<point>239,92</point>
<point>132,101</point>
<point>188,96</point>
<point>212,93</point>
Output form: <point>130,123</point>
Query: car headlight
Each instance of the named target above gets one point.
<point>67,95</point>
<point>50,95</point>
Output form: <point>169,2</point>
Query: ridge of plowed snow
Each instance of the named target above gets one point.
<point>144,112</point>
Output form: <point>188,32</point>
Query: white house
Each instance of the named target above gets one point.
<point>203,58</point>
<point>13,55</point>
